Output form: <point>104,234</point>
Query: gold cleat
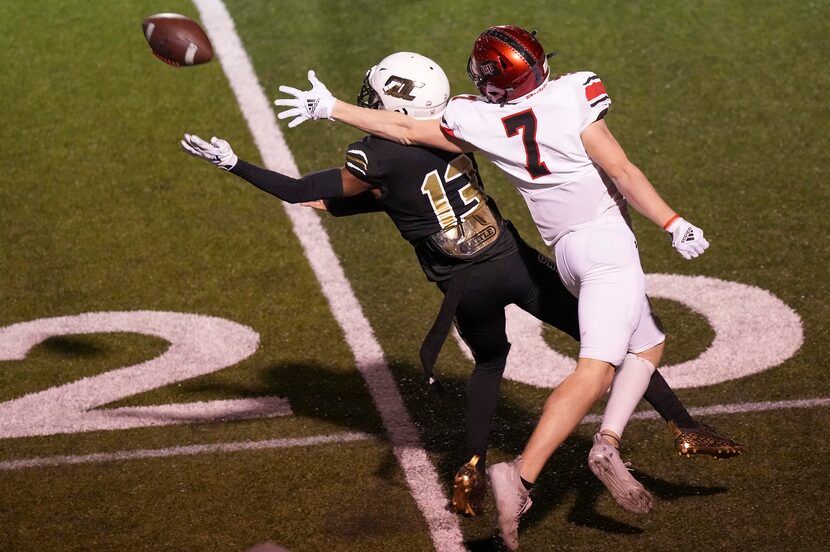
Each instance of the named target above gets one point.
<point>469,489</point>
<point>702,439</point>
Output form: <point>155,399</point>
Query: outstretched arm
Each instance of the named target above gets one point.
<point>606,152</point>
<point>397,127</point>
<point>319,103</point>
<point>326,184</point>
<point>360,204</point>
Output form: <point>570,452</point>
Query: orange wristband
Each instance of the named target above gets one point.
<point>670,221</point>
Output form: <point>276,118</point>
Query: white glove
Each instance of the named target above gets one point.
<point>218,152</point>
<point>687,238</point>
<point>316,103</point>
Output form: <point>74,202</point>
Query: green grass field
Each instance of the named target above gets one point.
<point>720,103</point>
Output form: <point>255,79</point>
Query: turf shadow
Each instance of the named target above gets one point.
<point>668,491</point>
<point>314,391</point>
<point>72,346</point>
<point>342,398</point>
<point>567,475</point>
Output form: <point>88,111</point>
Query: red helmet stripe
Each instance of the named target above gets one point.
<point>507,39</point>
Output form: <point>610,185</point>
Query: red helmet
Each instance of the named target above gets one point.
<point>507,62</point>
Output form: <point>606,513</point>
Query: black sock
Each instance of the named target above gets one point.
<point>666,403</point>
<point>527,484</point>
<point>685,421</point>
<point>482,392</point>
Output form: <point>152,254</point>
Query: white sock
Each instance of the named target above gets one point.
<point>630,382</point>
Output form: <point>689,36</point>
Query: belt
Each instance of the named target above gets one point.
<point>471,235</point>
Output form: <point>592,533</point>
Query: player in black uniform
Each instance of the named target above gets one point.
<point>477,259</point>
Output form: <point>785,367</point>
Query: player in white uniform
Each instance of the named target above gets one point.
<point>570,199</point>
<point>550,138</point>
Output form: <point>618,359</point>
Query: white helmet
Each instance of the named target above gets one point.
<point>406,82</point>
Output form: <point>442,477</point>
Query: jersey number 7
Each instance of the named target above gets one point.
<point>525,121</point>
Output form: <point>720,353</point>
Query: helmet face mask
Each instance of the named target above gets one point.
<point>368,97</point>
<point>507,63</point>
<point>406,82</point>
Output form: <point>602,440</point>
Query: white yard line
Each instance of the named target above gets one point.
<point>738,408</point>
<point>190,450</point>
<point>420,473</point>
<point>46,461</point>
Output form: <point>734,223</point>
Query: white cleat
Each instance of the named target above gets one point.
<point>604,460</point>
<point>512,499</point>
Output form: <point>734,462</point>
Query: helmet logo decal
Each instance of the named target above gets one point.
<point>399,87</point>
<point>488,68</point>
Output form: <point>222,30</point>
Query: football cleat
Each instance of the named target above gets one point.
<point>604,460</point>
<point>469,489</point>
<point>512,499</point>
<point>702,439</point>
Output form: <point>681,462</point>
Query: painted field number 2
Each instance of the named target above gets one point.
<point>199,345</point>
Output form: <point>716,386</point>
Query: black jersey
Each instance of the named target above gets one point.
<point>425,191</point>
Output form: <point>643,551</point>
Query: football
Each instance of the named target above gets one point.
<point>177,40</point>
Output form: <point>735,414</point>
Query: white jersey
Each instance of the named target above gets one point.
<point>536,141</point>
